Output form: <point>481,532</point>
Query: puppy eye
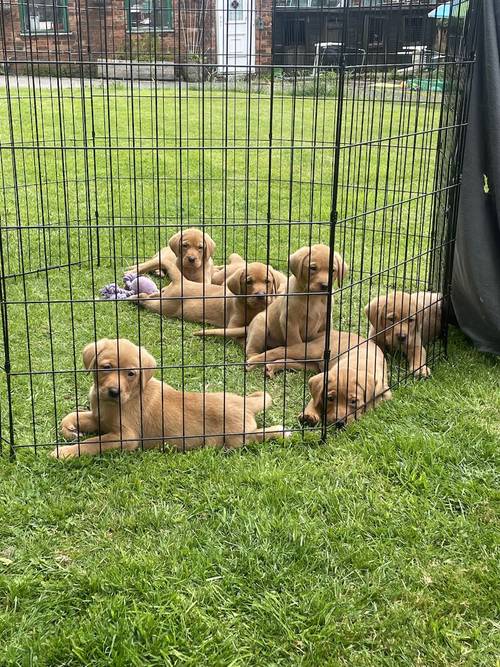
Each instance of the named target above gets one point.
<point>331,397</point>
<point>185,244</point>
<point>353,401</point>
<point>106,367</point>
<point>267,281</point>
<point>200,247</point>
<point>313,267</point>
<point>131,374</point>
<point>411,319</point>
<point>249,280</point>
<point>390,319</point>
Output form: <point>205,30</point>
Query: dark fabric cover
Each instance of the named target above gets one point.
<point>476,266</point>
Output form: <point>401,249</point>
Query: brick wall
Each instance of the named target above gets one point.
<point>95,32</point>
<point>264,32</point>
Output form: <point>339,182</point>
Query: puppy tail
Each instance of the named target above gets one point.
<point>235,332</point>
<point>259,401</point>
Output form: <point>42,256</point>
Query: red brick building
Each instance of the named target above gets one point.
<point>79,33</point>
<point>230,35</point>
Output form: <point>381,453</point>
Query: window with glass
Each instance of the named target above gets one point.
<point>41,17</point>
<point>235,10</point>
<point>375,31</point>
<point>294,32</point>
<point>149,15</point>
<point>414,29</point>
<point>316,4</point>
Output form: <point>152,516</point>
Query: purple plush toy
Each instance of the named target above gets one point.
<point>134,284</point>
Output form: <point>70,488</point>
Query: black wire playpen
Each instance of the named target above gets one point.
<point>287,172</point>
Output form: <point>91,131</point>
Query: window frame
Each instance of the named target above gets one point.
<point>409,30</point>
<point>24,17</point>
<point>168,9</point>
<point>382,23</point>
<point>294,28</point>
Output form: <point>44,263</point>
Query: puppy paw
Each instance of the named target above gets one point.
<point>309,418</point>
<point>269,371</point>
<point>159,273</point>
<point>66,452</point>
<point>278,431</point>
<point>69,430</point>
<point>140,298</point>
<point>423,372</point>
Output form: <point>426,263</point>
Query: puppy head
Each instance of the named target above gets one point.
<point>350,392</point>
<point>119,366</point>
<point>192,248</point>
<point>258,281</point>
<point>344,395</point>
<point>395,318</point>
<point>310,265</point>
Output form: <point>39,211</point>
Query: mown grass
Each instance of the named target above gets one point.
<point>376,547</point>
<point>104,177</point>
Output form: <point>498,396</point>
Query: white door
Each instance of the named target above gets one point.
<point>235,36</point>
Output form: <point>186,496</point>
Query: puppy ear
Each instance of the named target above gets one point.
<point>147,364</point>
<point>371,311</point>
<point>316,388</point>
<point>175,243</point>
<point>378,389</point>
<point>234,282</point>
<point>296,261</point>
<point>415,309</point>
<point>91,352</point>
<point>275,279</point>
<point>209,244</point>
<point>341,269</point>
<point>382,310</point>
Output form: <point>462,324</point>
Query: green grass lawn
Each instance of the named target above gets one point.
<point>121,198</point>
<point>376,547</point>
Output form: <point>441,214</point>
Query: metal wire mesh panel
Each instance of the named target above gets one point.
<point>298,161</point>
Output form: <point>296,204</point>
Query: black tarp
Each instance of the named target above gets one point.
<point>476,266</point>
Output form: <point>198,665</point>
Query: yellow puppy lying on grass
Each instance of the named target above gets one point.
<point>358,378</point>
<point>130,409</point>
<point>190,250</point>
<point>247,292</point>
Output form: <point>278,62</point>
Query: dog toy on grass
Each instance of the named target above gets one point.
<point>134,284</point>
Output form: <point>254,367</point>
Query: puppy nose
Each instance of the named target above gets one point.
<point>402,336</point>
<point>260,294</point>
<point>340,423</point>
<point>191,258</point>
<point>113,392</point>
<point>324,286</point>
